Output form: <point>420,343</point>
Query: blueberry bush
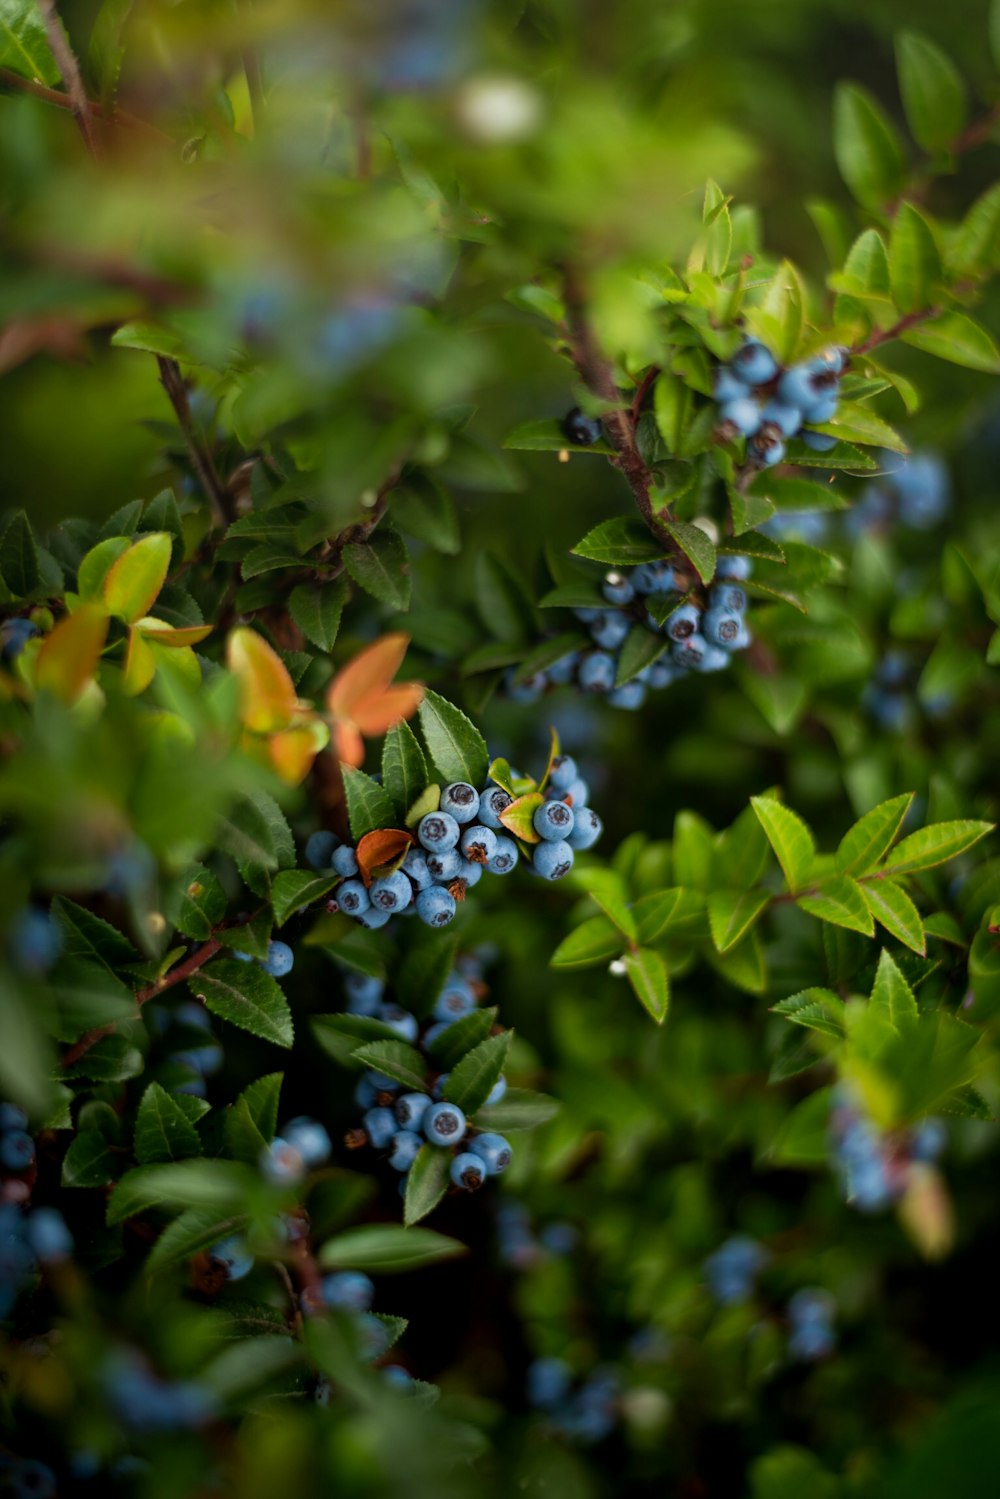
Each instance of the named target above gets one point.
<point>396,401</point>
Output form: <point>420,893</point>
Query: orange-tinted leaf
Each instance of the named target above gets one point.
<point>367,675</point>
<point>164,634</point>
<point>518,818</point>
<point>136,578</point>
<point>385,846</point>
<point>349,745</point>
<point>69,656</point>
<point>268,700</point>
<point>140,664</point>
<point>292,752</point>
<point>377,714</point>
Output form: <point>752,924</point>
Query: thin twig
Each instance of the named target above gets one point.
<point>62,100</point>
<point>201,458</point>
<point>885,335</point>
<point>69,72</point>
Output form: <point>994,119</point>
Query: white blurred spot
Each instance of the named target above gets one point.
<point>499,109</point>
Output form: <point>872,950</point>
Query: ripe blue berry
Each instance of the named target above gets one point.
<point>397,1376</point>
<point>455,1000</point>
<point>279,961</point>
<point>660,674</point>
<point>310,1139</point>
<point>801,386</point>
<point>597,672</point>
<point>439,1086</point>
<point>372,920</point>
<point>586,830</point>
<point>497,1091</point>
<point>581,429</point>
<point>728,596</point>
<point>469,872</point>
<point>494,1151</point>
<point>688,654</point>
<point>406,1145</point>
<point>50,1238</point>
<point>414,866</point>
<point>553,861</point>
<point>14,636</point>
<point>754,364</point>
<point>345,860</point>
<point>587,614</point>
<point>349,1289</point>
<point>631,695</point>
<point>504,857</point>
<point>820,442</point>
<point>11,1117</point>
<point>553,820</point>
<point>17,1150</point>
<point>34,940</point>
<point>364,993</point>
<point>714,658</point>
<point>548,1382</point>
<point>392,893</point>
<point>929,1140</point>
<point>438,832</point>
<point>563,771</point>
<point>460,800</point>
<point>577,794</point>
<point>371,1087</point>
<point>787,419</point>
<point>444,1124</point>
<point>722,627</point>
<point>492,802</point>
<point>478,844</point>
<point>733,569</point>
<point>742,414</point>
<point>609,631</point>
<point>767,448</point>
<point>281,1163</point>
<point>233,1256</point>
<point>561,671</point>
<point>410,1109</point>
<point>320,849</point>
<point>655,577</point>
<point>379,1125</point>
<point>822,411</point>
<point>467,1171</point>
<point>683,622</point>
<point>732,1269</point>
<point>526,692</point>
<point>400,1020</point>
<point>727,386</point>
<point>436,906</point>
<point>617,589</point>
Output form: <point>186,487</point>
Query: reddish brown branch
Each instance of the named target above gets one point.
<point>62,100</point>
<point>885,335</point>
<point>69,72</point>
<point>201,458</point>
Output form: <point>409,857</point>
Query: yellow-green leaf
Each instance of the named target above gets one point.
<point>865,843</point>
<point>69,656</point>
<point>893,909</point>
<point>647,973</point>
<point>790,838</point>
<point>133,582</point>
<point>840,900</point>
<point>731,914</point>
<point>267,692</point>
<point>935,845</point>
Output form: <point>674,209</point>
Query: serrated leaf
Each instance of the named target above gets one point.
<point>932,90</point>
<point>839,900</point>
<point>162,1130</point>
<point>404,768</point>
<point>368,805</point>
<point>257,835</point>
<point>892,997</point>
<point>251,1123</point>
<point>70,655</point>
<point>19,562</point>
<point>816,1009</point>
<point>914,260</point>
<point>246,996</point>
<point>316,608</point>
<point>731,914</point>
<point>113,1059</point>
<point>134,580</point>
<point>549,437</point>
<point>294,888</point>
<point>955,337</point>
<point>381,566</point>
<point>593,941</point>
<point>87,935</point>
<point>863,845</point>
<point>426,1183</point>
<point>460,1037</point>
<point>668,911</point>
<point>647,973</point>
<point>197,903</point>
<point>518,818</point>
<point>473,1079</point>
<point>221,1185</point>
<point>387,1248</point>
<point>501,601</point>
<point>935,845</point>
<point>696,546</point>
<point>622,542</point>
<point>194,1232</point>
<point>866,147</point>
<point>91,1161</point>
<point>520,1108</point>
<point>893,909</point>
<point>456,747</point>
<point>397,1060</point>
<point>976,246</point>
<point>855,422</point>
<point>790,838</point>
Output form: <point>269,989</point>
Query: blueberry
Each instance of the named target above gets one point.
<point>548,1382</point>
<point>743,414</point>
<point>722,627</point>
<point>397,1376</point>
<point>504,857</point>
<point>460,800</point>
<point>822,411</point>
<point>577,794</point>
<point>733,569</point>
<point>233,1256</point>
<point>526,692</point>
<point>552,861</point>
<point>320,849</point>
<point>492,802</point>
<point>610,629</point>
<point>690,653</point>
<point>391,893</point>
<point>379,1125</point>
<point>436,906</point>
<point>655,577</point>
<point>349,1289</point>
<point>14,636</point>
<point>279,961</point>
<point>802,386</point>
<point>344,860</point>
<point>929,1140</point>
<point>787,419</point>
<point>581,429</point>
<point>820,442</point>
<point>444,1124</point>
<point>478,844</point>
<point>754,363</point>
<point>617,589</point>
<point>559,1238</point>
<point>31,1479</point>
<point>586,615</point>
<point>406,1145</point>
<point>400,1020</point>
<point>470,873</point>
<point>364,993</point>
<point>410,1109</point>
<point>467,1171</point>
<point>454,1001</point>
<point>202,1059</point>
<point>659,675</point>
<point>597,672</point>
<point>17,1150</point>
<point>48,1235</point>
<point>494,1151</point>
<point>242,957</point>
<point>563,772</point>
<point>767,448</point>
<point>727,386</point>
<point>729,596</point>
<point>631,695</point>
<point>281,1163</point>
<point>713,658</point>
<point>587,829</point>
<point>415,868</point>
<point>374,1336</point>
<point>562,671</point>
<point>439,1086</point>
<point>370,1086</point>
<point>438,832</point>
<point>734,1266</point>
<point>444,867</point>
<point>309,1138</point>
<point>372,920</point>
<point>553,821</point>
<point>497,1091</point>
<point>35,941</point>
<point>683,622</point>
<point>11,1117</point>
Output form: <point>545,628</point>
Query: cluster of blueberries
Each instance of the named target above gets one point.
<point>352,1293</point>
<point>695,639</point>
<point>400,1122</point>
<point>30,1239</point>
<point>145,1402</point>
<point>456,844</point>
<point>873,1166</point>
<point>767,405</point>
<point>586,1412</point>
<point>521,1246</point>
<point>913,489</point>
<point>732,1271</point>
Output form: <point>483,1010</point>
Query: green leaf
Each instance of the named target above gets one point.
<point>368,805</point>
<point>816,1009</point>
<point>162,1130</point>
<point>421,976</point>
<point>520,1108</point>
<point>593,941</point>
<point>548,436</point>
<point>841,901</point>
<point>696,546</point>
<point>668,911</point>
<point>91,1160</point>
<point>426,1183</point>
<point>935,845</point>
<point>461,1037</point>
<point>245,995</point>
<point>294,888</point>
<point>855,422</point>
<point>803,1139</point>
<point>404,768</point>
<point>893,909</point>
<point>381,566</point>
<point>256,834</point>
<point>866,269</point>
<point>473,1079</point>
<point>87,935</point>
<point>672,402</point>
<point>252,1121</point>
<point>24,45</point>
<point>134,580</point>
<point>456,747</point>
<point>975,249</point>
<point>113,1059</point>
<point>914,260</point>
<point>387,1248</point>
<point>932,90</point>
<point>955,337</point>
<point>397,1060</point>
<point>622,542</point>
<point>106,51</point>
<point>863,845</point>
<point>316,609</point>
<point>731,914</point>
<point>423,508</point>
<point>866,146</point>
<point>647,973</point>
<point>194,1232</point>
<point>501,601</point>
<point>19,563</point>
<point>718,237</point>
<point>778,320</point>
<point>790,838</point>
<point>221,1185</point>
<point>519,817</point>
<point>892,997</point>
<point>196,903</point>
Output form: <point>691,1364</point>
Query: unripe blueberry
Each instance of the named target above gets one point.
<point>455,1000</point>
<point>727,386</point>
<point>553,861</point>
<point>683,622</point>
<point>349,1289</point>
<point>233,1256</point>
<point>610,630</point>
<point>597,672</point>
<point>344,860</point>
<point>372,920</point>
<point>787,419</point>
<point>493,801</point>
<point>406,1145</point>
<point>436,906</point>
<point>733,568</point>
<point>309,1138</point>
<point>767,448</point>
<point>444,1124</point>
<point>563,772</point>
<point>410,1109</point>
<point>743,414</point>
<point>391,893</point>
<point>414,866</point>
<point>581,429</point>
<point>553,820</point>
<point>504,857</point>
<point>438,832</point>
<point>400,1020</point>
<point>493,1150</point>
<point>617,589</point>
<point>17,1150</point>
<point>586,830</point>
<point>460,800</point>
<point>364,993</point>
<point>754,363</point>
<point>722,627</point>
<point>320,848</point>
<point>379,1125</point>
<point>820,442</point>
<point>281,1163</point>
<point>279,961</point>
<point>467,1171</point>
<point>728,596</point>
<point>497,1092</point>
<point>478,844</point>
<point>631,695</point>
